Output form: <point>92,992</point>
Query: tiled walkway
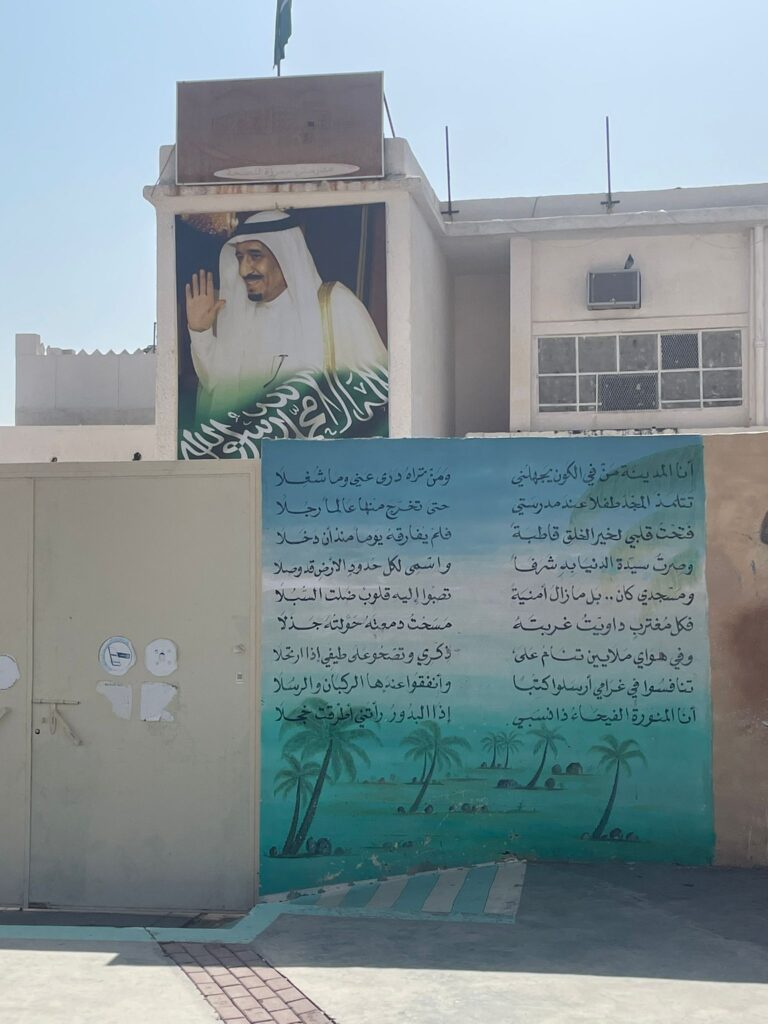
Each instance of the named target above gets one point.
<point>241,987</point>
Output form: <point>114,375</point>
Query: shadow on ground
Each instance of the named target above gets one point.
<point>645,921</point>
<point>640,943</point>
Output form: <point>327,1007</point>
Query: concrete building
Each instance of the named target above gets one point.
<point>56,387</point>
<point>489,326</point>
<point>700,325</point>
<point>80,406</point>
<point>488,306</point>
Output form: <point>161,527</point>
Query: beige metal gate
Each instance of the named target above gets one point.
<point>142,791</point>
<point>15,648</point>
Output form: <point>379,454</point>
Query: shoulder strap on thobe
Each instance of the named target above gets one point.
<point>326,317</point>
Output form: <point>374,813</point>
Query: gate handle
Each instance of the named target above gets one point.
<point>56,717</point>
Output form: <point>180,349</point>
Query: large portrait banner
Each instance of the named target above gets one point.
<point>282,328</point>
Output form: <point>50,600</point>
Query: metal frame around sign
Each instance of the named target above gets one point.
<point>282,180</point>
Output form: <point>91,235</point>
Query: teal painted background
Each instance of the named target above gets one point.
<point>473,648</point>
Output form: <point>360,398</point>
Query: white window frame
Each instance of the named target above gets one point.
<point>724,416</point>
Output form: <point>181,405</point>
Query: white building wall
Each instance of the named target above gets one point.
<point>431,332</point>
<point>481,337</point>
<point>105,443</point>
<point>692,279</point>
<point>683,276</point>
<point>167,378</point>
<point>520,341</point>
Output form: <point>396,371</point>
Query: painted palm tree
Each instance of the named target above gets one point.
<point>512,743</point>
<point>491,744</point>
<point>614,757</point>
<point>317,732</point>
<point>300,776</point>
<point>442,751</point>
<point>547,740</point>
<point>424,763</point>
<point>419,745</point>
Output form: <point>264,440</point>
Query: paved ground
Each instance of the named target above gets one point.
<point>642,944</point>
<point>72,983</point>
<point>601,943</point>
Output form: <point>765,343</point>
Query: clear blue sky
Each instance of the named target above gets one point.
<point>88,96</point>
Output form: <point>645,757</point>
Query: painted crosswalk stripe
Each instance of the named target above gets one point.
<point>483,891</point>
<point>359,895</point>
<point>504,894</point>
<point>474,892</point>
<point>387,893</point>
<point>306,901</point>
<point>416,891</point>
<point>440,900</point>
<point>332,898</point>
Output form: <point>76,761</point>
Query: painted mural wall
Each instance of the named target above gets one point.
<point>475,649</point>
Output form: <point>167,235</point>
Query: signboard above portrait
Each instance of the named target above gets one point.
<point>302,128</point>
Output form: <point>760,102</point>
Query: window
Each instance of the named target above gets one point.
<point>627,372</point>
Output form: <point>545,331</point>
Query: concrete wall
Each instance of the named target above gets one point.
<point>481,339</point>
<point>431,333</point>
<point>57,387</point>
<point>77,444</point>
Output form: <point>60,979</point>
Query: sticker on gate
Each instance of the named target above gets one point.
<point>117,655</point>
<point>9,671</point>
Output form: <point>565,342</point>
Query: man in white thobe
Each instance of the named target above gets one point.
<point>273,318</point>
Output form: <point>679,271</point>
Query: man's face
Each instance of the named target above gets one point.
<point>260,271</point>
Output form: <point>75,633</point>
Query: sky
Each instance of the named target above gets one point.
<point>89,95</point>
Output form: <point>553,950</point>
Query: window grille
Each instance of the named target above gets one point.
<point>630,372</point>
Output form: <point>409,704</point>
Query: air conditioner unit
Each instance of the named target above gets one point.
<point>615,289</point>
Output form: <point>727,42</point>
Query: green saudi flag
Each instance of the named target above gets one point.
<point>282,29</point>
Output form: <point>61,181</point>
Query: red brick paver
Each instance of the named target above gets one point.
<point>242,987</point>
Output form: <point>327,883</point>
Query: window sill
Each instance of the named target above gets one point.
<point>688,419</point>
